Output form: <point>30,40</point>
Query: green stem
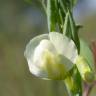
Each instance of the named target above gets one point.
<point>88,88</point>
<point>51,15</point>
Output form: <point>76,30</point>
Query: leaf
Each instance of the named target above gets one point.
<point>86,52</point>
<point>74,31</point>
<point>63,5</point>
<point>66,27</point>
<point>67,4</point>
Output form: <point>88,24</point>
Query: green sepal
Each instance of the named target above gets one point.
<point>74,83</point>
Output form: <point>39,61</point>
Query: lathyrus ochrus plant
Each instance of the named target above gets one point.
<point>61,54</point>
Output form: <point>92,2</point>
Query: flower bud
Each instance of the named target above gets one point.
<point>85,71</point>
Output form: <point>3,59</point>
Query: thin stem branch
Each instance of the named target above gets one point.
<point>88,88</point>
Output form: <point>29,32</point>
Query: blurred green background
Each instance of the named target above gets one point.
<point>19,22</point>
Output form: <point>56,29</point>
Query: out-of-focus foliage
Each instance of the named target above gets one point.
<point>88,32</point>
<point>19,22</point>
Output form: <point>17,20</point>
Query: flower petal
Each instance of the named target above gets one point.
<point>64,45</point>
<point>29,52</point>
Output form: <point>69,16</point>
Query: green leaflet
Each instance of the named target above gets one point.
<point>86,52</point>
<point>74,31</point>
<point>56,11</point>
<point>71,30</point>
<point>67,4</point>
<point>66,27</point>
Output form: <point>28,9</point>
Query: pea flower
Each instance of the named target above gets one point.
<point>51,56</point>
